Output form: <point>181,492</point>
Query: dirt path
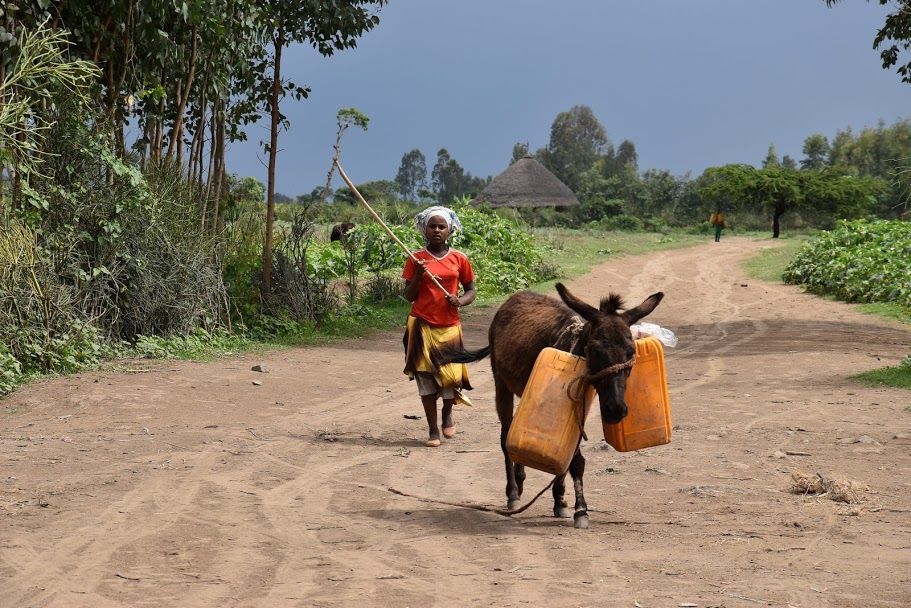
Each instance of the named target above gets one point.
<point>188,485</point>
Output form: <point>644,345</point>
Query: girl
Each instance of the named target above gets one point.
<point>434,322</point>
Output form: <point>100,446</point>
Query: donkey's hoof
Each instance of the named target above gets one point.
<point>564,512</point>
<point>581,521</point>
<point>512,504</point>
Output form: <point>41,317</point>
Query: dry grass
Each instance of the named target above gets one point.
<point>839,490</point>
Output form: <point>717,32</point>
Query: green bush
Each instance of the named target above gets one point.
<point>597,207</point>
<point>503,253</point>
<point>10,371</point>
<point>624,222</point>
<point>199,343</point>
<point>40,328</point>
<point>859,261</point>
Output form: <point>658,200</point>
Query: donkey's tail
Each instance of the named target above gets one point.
<point>465,356</point>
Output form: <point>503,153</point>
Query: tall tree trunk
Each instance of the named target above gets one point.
<point>183,95</point>
<point>776,224</point>
<point>121,78</point>
<point>210,171</point>
<point>157,137</point>
<point>273,153</point>
<point>219,176</point>
<point>197,144</point>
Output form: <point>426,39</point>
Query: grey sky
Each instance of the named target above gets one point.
<point>693,83</point>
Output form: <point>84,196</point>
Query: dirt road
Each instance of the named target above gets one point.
<point>185,484</point>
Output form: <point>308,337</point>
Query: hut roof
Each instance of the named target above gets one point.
<point>526,183</point>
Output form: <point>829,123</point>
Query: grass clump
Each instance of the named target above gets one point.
<point>898,376</point>
<point>772,262</point>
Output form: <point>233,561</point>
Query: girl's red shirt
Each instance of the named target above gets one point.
<point>450,269</point>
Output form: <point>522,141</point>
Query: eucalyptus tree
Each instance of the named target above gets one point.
<point>577,139</point>
<point>160,63</point>
<point>626,155</point>
<point>327,26</point>
<point>412,174</point>
<point>771,158</point>
<point>815,151</point>
<point>448,176</point>
<point>519,151</point>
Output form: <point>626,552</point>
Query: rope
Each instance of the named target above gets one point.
<point>477,507</point>
<point>574,329</point>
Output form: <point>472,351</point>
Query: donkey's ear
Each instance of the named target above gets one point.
<point>589,313</point>
<point>643,310</point>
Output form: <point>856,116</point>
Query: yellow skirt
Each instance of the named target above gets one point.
<point>425,347</point>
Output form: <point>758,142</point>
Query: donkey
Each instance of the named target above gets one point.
<point>527,323</point>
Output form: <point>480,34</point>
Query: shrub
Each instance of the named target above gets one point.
<point>628,223</point>
<point>502,252</point>
<point>10,371</point>
<point>40,329</point>
<point>859,261</point>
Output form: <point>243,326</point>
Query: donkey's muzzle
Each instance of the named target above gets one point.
<point>613,415</point>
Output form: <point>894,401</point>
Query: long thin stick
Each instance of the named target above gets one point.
<point>383,224</point>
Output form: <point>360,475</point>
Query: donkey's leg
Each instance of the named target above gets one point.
<point>577,470</point>
<point>561,509</point>
<point>504,400</point>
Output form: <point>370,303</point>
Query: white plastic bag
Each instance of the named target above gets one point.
<point>664,335</point>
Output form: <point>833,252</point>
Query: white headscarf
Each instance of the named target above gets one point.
<point>452,220</point>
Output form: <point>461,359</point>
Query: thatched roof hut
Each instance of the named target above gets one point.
<point>526,183</point>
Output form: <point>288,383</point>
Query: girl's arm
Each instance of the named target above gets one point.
<point>467,297</point>
<point>411,287</point>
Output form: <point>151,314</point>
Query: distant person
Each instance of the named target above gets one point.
<point>434,321</point>
<point>717,220</point>
<point>340,231</point>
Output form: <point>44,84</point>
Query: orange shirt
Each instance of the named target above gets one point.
<point>451,269</point>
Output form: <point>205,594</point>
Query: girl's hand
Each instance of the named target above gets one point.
<point>453,300</point>
<point>420,267</point>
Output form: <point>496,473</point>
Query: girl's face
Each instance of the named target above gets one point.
<point>437,230</point>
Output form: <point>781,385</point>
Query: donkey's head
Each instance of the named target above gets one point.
<point>608,346</point>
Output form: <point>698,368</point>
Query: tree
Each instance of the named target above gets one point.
<point>448,177</point>
<point>780,190</point>
<point>771,158</point>
<point>379,191</point>
<point>660,191</point>
<point>519,151</point>
<point>412,174</point>
<point>627,155</point>
<point>815,150</point>
<point>772,188</point>
<point>327,26</point>
<point>843,195</point>
<point>577,139</point>
<point>346,117</point>
<point>788,163</point>
<point>41,74</point>
<point>896,33</point>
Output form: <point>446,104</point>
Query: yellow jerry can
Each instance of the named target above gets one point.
<point>546,427</point>
<point>648,422</point>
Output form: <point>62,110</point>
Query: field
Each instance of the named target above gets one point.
<point>210,484</point>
